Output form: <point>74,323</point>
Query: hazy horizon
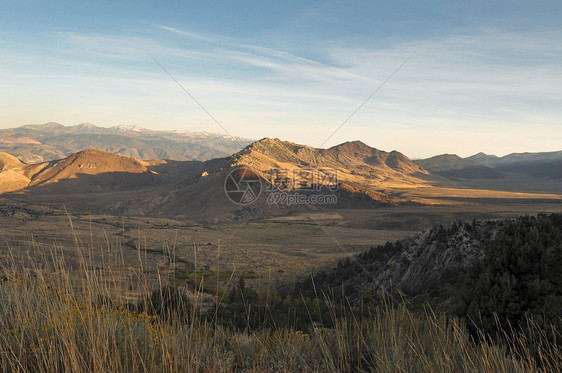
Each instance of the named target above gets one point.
<point>290,140</point>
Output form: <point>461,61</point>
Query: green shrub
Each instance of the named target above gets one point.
<point>519,279</point>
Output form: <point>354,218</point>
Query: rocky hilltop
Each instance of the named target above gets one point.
<point>355,162</point>
<point>432,262</point>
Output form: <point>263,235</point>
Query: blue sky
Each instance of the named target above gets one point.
<point>483,75</point>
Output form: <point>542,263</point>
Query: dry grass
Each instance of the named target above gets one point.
<point>56,319</point>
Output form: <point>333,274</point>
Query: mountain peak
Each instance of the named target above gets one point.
<point>85,127</point>
<point>446,156</point>
<point>275,149</point>
<point>44,126</point>
<point>103,160</point>
<point>268,141</point>
<point>267,144</point>
<point>129,128</point>
<point>352,145</point>
<point>483,155</point>
<point>483,158</point>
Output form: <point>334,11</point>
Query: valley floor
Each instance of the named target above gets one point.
<point>270,251</point>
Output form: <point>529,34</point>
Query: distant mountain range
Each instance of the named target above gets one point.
<point>451,165</point>
<point>515,158</point>
<point>47,142</point>
<point>546,165</point>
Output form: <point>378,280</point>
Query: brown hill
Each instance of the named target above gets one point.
<point>87,162</point>
<point>86,168</point>
<point>354,162</point>
<point>346,155</point>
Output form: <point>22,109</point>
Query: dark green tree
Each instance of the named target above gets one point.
<point>520,277</point>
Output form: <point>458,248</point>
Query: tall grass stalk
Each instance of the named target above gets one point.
<point>56,316</point>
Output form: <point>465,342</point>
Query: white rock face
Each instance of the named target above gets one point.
<point>433,261</point>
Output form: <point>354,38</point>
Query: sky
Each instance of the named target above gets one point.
<point>446,77</point>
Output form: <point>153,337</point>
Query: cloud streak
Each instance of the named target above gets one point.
<point>480,81</point>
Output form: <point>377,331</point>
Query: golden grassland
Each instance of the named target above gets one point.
<point>59,317</point>
<point>48,330</point>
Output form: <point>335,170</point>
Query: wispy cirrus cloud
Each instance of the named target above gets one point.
<point>183,33</point>
<point>477,81</point>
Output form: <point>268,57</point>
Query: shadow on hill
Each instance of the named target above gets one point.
<point>95,192</point>
<point>549,169</point>
<point>472,172</point>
